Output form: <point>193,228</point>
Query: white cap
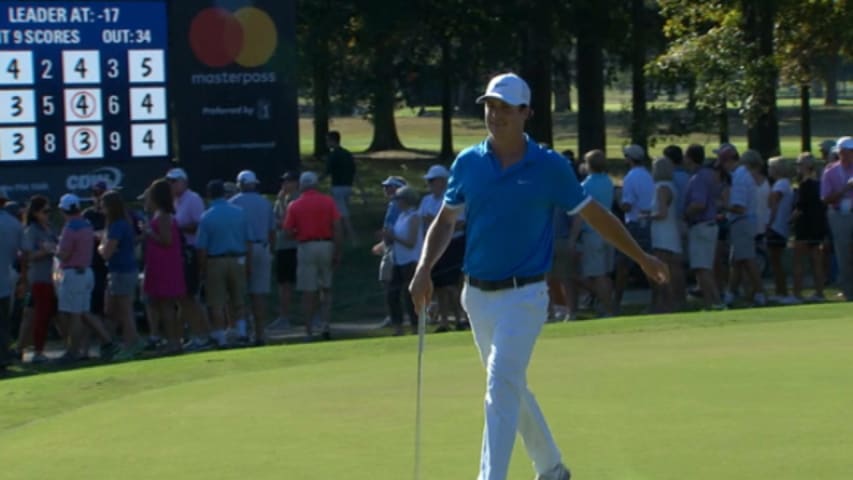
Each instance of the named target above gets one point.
<point>509,88</point>
<point>844,143</point>
<point>635,152</point>
<point>437,171</point>
<point>394,181</point>
<point>247,177</point>
<point>69,201</point>
<point>308,179</point>
<point>177,174</point>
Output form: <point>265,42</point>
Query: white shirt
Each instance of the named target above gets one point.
<point>782,221</point>
<point>762,206</point>
<point>402,254</point>
<point>431,205</point>
<point>638,190</point>
<point>743,193</point>
<point>664,232</point>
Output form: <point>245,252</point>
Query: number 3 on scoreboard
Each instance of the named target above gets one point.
<point>18,144</point>
<point>149,140</point>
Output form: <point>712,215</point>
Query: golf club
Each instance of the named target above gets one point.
<point>421,336</point>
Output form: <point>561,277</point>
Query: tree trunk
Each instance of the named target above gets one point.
<point>763,134</point>
<point>590,80</point>
<point>446,102</point>
<point>384,102</point>
<point>562,95</point>
<point>537,72</point>
<point>806,119</point>
<point>723,122</point>
<point>831,79</point>
<point>320,72</point>
<point>639,126</point>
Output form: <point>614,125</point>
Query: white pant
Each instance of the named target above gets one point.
<point>506,324</point>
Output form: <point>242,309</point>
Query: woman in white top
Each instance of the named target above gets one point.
<point>781,203</point>
<point>406,240</point>
<point>447,271</point>
<point>666,239</point>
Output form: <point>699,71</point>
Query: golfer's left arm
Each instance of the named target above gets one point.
<point>612,230</point>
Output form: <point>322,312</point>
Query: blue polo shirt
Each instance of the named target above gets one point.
<point>599,186</point>
<point>509,212</point>
<point>259,214</point>
<point>223,229</point>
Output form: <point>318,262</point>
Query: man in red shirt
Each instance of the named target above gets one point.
<point>315,222</point>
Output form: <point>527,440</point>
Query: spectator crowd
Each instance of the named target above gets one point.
<point>207,269</point>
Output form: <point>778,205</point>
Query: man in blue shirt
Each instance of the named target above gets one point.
<point>509,187</point>
<point>596,254</point>
<point>225,258</point>
<point>261,220</point>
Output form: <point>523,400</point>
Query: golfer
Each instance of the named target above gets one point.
<point>510,186</point>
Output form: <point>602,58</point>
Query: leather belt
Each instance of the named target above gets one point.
<point>495,285</point>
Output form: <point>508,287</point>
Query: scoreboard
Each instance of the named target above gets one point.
<point>83,80</point>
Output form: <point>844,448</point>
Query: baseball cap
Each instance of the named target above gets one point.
<point>176,174</point>
<point>724,147</point>
<point>635,152</point>
<point>308,179</point>
<point>100,186</point>
<point>69,201</point>
<point>394,181</point>
<point>844,143</point>
<point>290,176</point>
<point>509,88</point>
<point>437,171</point>
<point>407,194</point>
<point>827,145</point>
<point>247,177</point>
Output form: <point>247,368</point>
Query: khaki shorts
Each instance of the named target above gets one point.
<point>702,245</point>
<point>314,266</point>
<point>742,240</point>
<point>596,255</point>
<point>225,281</point>
<point>74,292</point>
<point>261,279</point>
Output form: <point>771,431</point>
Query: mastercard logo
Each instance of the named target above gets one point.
<point>247,37</point>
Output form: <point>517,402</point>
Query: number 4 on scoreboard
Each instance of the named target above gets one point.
<point>149,140</point>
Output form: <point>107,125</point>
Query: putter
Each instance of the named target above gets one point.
<point>421,338</point>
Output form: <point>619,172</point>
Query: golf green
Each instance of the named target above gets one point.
<point>759,394</point>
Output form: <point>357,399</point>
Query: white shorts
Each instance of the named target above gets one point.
<point>702,245</point>
<point>596,255</point>
<point>742,240</point>
<point>74,290</point>
<point>261,278</point>
<point>314,266</point>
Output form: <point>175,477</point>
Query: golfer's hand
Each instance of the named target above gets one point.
<point>421,288</point>
<point>656,270</point>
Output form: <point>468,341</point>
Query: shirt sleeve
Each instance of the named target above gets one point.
<point>567,191</point>
<point>629,191</point>
<point>201,238</point>
<point>826,184</point>
<point>66,240</point>
<point>697,191</point>
<point>454,196</point>
<point>782,186</point>
<point>196,210</point>
<point>290,218</point>
<point>29,244</point>
<point>739,192</point>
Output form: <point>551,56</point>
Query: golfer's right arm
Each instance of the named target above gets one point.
<point>437,238</point>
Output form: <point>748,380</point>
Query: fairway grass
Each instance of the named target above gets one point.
<point>751,394</point>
